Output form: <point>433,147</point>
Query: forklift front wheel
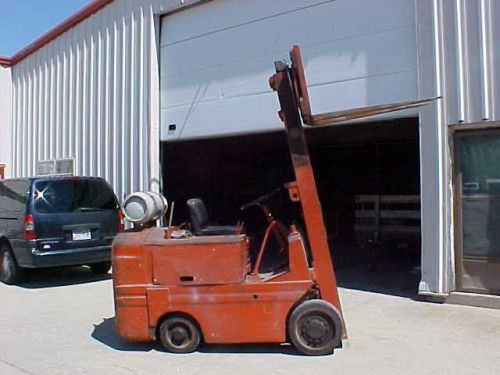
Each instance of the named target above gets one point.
<point>315,327</point>
<point>179,335</point>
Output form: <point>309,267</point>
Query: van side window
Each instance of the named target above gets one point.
<point>13,195</point>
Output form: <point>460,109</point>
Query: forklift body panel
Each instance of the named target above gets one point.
<point>155,276</point>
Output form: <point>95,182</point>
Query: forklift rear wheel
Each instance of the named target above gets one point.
<point>179,335</point>
<point>315,327</point>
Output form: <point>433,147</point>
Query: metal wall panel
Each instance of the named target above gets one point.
<point>92,94</point>
<point>458,54</point>
<point>6,106</point>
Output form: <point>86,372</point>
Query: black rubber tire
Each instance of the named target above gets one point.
<point>10,272</point>
<point>315,327</point>
<point>188,334</point>
<point>100,268</point>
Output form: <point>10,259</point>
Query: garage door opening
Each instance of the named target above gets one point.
<point>368,182</point>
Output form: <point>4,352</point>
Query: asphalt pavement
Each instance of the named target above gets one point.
<point>61,322</point>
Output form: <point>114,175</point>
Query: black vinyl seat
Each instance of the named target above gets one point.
<point>201,224</point>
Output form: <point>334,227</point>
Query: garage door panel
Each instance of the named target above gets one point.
<point>326,63</point>
<point>367,48</point>
<point>335,19</point>
<point>218,50</point>
<point>245,78</point>
<point>273,37</point>
<point>217,83</point>
<point>355,58</point>
<point>364,92</point>
<point>371,55</point>
<point>188,88</point>
<point>224,14</point>
<point>229,116</point>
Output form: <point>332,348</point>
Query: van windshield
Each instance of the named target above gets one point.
<point>73,195</point>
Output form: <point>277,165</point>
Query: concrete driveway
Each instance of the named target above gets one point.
<point>61,322</point>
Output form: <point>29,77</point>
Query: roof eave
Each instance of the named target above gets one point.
<point>5,61</point>
<point>77,17</point>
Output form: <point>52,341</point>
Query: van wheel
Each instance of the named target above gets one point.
<point>179,335</point>
<point>315,327</point>
<point>100,268</point>
<point>10,272</point>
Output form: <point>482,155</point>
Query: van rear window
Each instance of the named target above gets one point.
<point>73,195</point>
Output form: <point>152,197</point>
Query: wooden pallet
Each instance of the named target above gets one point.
<point>382,220</point>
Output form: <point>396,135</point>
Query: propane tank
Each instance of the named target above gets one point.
<point>144,207</point>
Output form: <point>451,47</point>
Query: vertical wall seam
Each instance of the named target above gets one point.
<point>125,108</point>
<point>101,99</point>
<point>462,70</point>
<point>36,111</point>
<point>13,122</point>
<point>107,143</point>
<point>134,97</point>
<point>29,123</point>
<point>116,109</point>
<point>441,129</point>
<point>71,104</point>
<point>142,96</point>
<point>41,104</point>
<point>64,106</point>
<point>485,33</point>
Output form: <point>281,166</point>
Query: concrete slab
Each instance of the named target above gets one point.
<point>473,299</point>
<point>62,323</point>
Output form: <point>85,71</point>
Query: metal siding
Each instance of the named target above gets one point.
<point>7,113</point>
<point>458,56</point>
<point>472,57</point>
<point>88,95</point>
<point>71,99</point>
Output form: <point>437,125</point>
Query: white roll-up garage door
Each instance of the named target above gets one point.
<point>216,58</point>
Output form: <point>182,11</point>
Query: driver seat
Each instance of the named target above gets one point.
<point>201,224</point>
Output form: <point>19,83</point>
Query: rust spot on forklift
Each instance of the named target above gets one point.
<point>180,288</point>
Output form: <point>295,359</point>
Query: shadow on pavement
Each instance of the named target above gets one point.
<point>55,277</point>
<point>105,333</point>
<point>395,272</point>
<point>249,349</point>
<point>390,279</point>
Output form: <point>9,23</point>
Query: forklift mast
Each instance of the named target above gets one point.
<point>290,84</point>
<point>285,83</point>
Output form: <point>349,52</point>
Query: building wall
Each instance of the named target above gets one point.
<point>92,94</point>
<point>459,55</point>
<point>5,118</point>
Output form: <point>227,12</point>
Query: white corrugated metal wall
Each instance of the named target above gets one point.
<point>459,55</point>
<point>5,118</point>
<point>92,95</point>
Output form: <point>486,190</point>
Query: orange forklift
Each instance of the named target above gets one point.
<point>182,287</point>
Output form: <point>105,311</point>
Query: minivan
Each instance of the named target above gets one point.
<point>56,221</point>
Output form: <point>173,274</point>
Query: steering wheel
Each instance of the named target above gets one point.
<point>260,199</point>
